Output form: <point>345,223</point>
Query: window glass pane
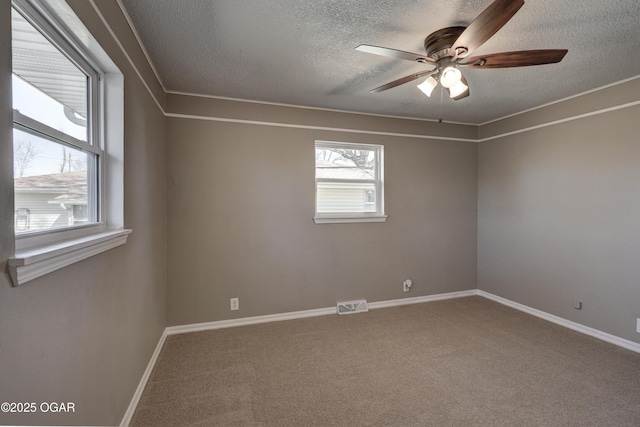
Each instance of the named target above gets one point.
<point>341,163</point>
<point>349,182</point>
<point>47,86</point>
<point>345,197</point>
<point>52,184</point>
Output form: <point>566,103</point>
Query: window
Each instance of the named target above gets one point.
<point>349,182</point>
<point>68,99</point>
<point>56,151</point>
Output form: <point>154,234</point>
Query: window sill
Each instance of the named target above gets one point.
<point>29,264</point>
<point>348,219</point>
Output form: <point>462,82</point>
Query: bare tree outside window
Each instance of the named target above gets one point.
<point>65,158</point>
<point>78,162</point>
<point>24,153</point>
<point>362,160</point>
<point>72,162</point>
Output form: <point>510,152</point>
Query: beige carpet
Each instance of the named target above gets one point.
<point>461,362</point>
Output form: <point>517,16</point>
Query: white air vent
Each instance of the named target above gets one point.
<point>348,307</point>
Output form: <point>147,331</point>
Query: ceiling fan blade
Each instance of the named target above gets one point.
<point>404,80</point>
<point>394,53</point>
<point>521,58</point>
<point>486,25</point>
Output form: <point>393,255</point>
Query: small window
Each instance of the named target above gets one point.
<point>349,182</point>
<point>56,152</point>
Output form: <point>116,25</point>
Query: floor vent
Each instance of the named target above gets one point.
<point>349,307</point>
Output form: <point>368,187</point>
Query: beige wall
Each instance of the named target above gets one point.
<point>559,209</point>
<point>540,217</point>
<point>86,333</point>
<point>241,206</point>
<point>585,105</point>
<point>288,116</point>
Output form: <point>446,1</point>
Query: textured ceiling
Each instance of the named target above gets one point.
<point>301,52</point>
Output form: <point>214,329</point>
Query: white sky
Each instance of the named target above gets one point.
<point>32,102</point>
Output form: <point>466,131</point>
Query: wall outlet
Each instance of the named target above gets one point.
<point>638,325</point>
<point>406,285</point>
<point>235,304</point>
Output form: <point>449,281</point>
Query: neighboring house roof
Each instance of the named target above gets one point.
<point>67,180</point>
<point>70,187</point>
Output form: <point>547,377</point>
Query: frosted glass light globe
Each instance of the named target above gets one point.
<point>428,85</point>
<point>450,77</point>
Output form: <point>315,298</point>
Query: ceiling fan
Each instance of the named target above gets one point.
<point>448,49</point>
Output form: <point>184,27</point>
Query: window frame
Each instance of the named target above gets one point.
<point>61,40</point>
<point>378,182</point>
<point>40,252</point>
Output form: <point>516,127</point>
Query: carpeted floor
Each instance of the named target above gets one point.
<point>460,362</point>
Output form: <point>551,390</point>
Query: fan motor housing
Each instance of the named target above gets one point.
<point>438,43</point>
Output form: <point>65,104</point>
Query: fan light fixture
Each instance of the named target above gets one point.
<point>428,85</point>
<point>448,48</point>
<point>456,91</point>
<point>450,77</point>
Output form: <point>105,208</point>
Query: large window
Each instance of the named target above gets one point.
<point>349,182</point>
<point>56,152</point>
<point>68,141</point>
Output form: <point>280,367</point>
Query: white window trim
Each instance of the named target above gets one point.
<point>36,262</point>
<point>345,219</point>
<point>354,217</point>
<point>38,254</point>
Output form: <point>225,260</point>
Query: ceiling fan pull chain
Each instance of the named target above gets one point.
<point>441,94</point>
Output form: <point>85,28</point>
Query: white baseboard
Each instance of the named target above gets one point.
<point>243,321</point>
<point>195,327</point>
<point>629,345</point>
<point>143,382</point>
<point>426,298</point>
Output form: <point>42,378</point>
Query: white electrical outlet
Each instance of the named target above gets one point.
<point>235,304</point>
<point>406,286</point>
<point>638,325</point>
